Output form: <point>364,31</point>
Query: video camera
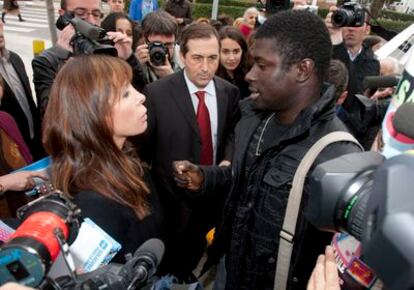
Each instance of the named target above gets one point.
<point>158,53</point>
<point>49,223</point>
<point>372,200</point>
<point>349,15</point>
<point>88,39</point>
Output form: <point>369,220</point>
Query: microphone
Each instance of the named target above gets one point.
<point>147,258</point>
<point>398,133</point>
<point>88,30</point>
<point>374,82</point>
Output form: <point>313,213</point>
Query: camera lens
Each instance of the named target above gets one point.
<point>342,18</point>
<point>157,56</point>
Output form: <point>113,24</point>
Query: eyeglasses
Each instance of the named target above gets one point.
<point>84,13</point>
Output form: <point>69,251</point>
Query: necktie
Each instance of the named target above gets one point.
<point>203,120</point>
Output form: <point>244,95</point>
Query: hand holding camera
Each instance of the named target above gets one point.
<point>156,55</point>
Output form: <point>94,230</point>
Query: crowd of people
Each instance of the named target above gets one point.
<point>195,124</point>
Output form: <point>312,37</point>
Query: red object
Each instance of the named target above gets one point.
<point>245,30</point>
<point>203,120</point>
<point>40,226</point>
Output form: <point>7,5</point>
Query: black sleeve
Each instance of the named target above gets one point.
<point>106,213</point>
<point>138,81</point>
<point>233,119</point>
<point>216,178</point>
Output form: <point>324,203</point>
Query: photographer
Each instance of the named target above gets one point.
<point>360,62</point>
<point>156,55</point>
<point>46,65</point>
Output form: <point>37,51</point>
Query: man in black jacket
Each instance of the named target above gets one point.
<point>17,98</point>
<point>47,64</point>
<point>289,110</point>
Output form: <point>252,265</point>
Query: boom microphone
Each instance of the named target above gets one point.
<point>374,82</point>
<point>399,136</point>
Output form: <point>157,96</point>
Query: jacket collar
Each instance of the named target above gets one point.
<point>321,109</point>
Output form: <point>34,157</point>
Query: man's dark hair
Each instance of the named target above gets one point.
<point>160,23</point>
<point>197,31</point>
<point>338,76</point>
<point>298,35</point>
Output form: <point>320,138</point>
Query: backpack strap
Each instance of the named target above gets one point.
<point>287,233</point>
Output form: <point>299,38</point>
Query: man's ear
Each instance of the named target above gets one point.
<point>305,68</point>
<point>61,11</point>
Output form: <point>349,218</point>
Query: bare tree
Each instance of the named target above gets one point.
<point>50,9</point>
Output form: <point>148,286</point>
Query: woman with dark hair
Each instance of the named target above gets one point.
<point>119,21</point>
<point>92,110</point>
<point>233,58</point>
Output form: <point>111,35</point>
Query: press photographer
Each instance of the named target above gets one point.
<point>157,54</point>
<point>48,63</point>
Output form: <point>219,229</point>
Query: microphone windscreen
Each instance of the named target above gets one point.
<point>153,246</point>
<point>86,29</point>
<point>403,121</point>
<point>374,82</point>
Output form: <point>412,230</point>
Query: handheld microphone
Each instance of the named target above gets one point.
<point>374,82</point>
<point>399,131</point>
<point>148,257</point>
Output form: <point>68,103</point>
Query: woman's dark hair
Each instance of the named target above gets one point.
<point>78,132</point>
<point>109,24</point>
<point>241,70</point>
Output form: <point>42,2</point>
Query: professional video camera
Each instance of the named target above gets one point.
<point>350,14</point>
<point>88,39</point>
<point>48,225</point>
<point>158,53</point>
<point>372,200</point>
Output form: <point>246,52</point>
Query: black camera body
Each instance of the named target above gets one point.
<point>371,199</point>
<point>349,15</point>
<point>88,39</point>
<point>158,53</point>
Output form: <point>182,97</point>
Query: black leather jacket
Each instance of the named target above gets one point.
<point>255,208</point>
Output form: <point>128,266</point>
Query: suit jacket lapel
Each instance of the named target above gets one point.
<point>182,97</point>
<point>222,104</point>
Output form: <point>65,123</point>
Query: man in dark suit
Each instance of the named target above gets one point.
<point>191,115</point>
<point>17,99</point>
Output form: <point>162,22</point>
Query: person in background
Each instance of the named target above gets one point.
<point>158,27</point>
<point>233,59</point>
<point>17,98</point>
<point>181,10</point>
<point>116,5</point>
<point>249,21</point>
<point>119,21</point>
<point>138,9</point>
<point>237,22</point>
<point>227,20</point>
<point>14,154</point>
<point>48,63</point>
<point>92,110</point>
<point>11,6</point>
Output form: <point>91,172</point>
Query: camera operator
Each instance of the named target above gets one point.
<point>46,65</point>
<point>156,55</point>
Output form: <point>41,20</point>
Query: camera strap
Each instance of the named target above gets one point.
<point>287,233</point>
